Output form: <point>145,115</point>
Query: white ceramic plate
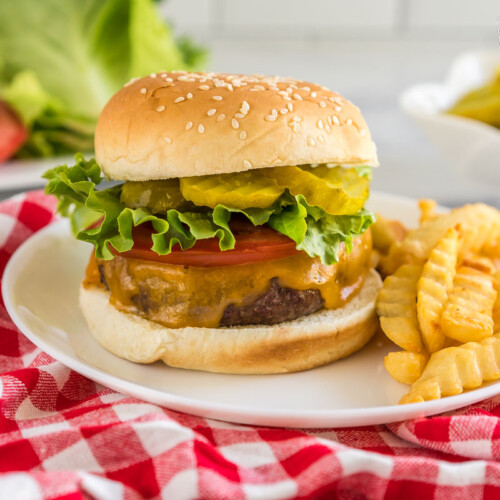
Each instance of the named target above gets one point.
<point>23,174</point>
<point>40,289</point>
<point>472,147</point>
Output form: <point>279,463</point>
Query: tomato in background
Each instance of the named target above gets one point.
<point>12,132</point>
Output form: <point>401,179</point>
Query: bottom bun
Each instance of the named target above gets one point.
<point>303,343</point>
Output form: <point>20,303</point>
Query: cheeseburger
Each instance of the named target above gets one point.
<point>236,240</point>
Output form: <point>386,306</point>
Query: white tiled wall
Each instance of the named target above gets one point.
<point>452,13</point>
<point>214,19</point>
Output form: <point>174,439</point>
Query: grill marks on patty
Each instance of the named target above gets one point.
<point>278,304</point>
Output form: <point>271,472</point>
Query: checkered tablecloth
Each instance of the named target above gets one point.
<point>63,436</point>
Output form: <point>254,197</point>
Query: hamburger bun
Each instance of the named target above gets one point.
<point>291,346</point>
<point>180,125</point>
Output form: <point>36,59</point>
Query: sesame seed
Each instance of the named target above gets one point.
<point>144,90</point>
<point>245,107</point>
<point>332,99</point>
<point>160,109</point>
<point>243,135</point>
<point>203,87</point>
<point>169,80</point>
<point>362,132</point>
<point>290,107</point>
<point>253,90</point>
<point>322,104</point>
<point>201,128</point>
<point>217,98</point>
<point>153,75</point>
<point>287,98</point>
<point>230,87</point>
<point>313,94</point>
<point>274,112</point>
<point>283,111</point>
<point>336,120</point>
<point>211,112</point>
<point>320,124</point>
<point>311,141</point>
<point>270,118</point>
<point>168,140</point>
<point>239,115</point>
<point>163,75</point>
<point>327,128</point>
<point>297,97</point>
<point>329,119</point>
<point>179,99</point>
<point>189,125</point>
<point>321,139</point>
<point>349,121</point>
<point>338,109</point>
<point>259,87</point>
<point>247,164</point>
<point>235,124</point>
<point>189,95</point>
<point>221,117</point>
<point>307,89</point>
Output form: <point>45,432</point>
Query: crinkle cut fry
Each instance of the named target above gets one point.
<point>433,288</point>
<point>467,315</point>
<point>397,307</point>
<point>481,227</point>
<point>454,369</point>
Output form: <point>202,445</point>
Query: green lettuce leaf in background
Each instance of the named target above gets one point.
<point>314,231</point>
<point>62,61</point>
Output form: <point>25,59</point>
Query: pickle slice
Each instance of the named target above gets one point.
<point>239,190</point>
<point>481,104</point>
<point>337,190</point>
<point>158,196</point>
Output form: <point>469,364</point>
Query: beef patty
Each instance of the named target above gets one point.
<point>276,305</point>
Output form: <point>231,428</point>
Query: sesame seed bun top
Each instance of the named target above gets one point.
<point>186,124</point>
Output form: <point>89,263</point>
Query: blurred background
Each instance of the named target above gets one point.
<point>369,51</point>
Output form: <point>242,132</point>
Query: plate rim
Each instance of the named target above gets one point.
<point>304,418</point>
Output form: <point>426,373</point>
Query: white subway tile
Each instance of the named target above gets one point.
<point>187,14</point>
<point>453,13</point>
<point>310,13</point>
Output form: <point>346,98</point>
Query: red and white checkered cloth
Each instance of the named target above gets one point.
<point>64,436</point>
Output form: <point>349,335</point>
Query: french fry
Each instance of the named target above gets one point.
<point>396,307</point>
<point>496,306</point>
<point>481,228</point>
<point>454,369</point>
<point>385,232</point>
<point>404,366</point>
<point>427,209</point>
<point>479,262</point>
<point>433,288</point>
<point>467,316</point>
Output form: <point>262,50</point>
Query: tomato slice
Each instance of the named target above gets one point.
<point>253,244</point>
<point>12,132</point>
